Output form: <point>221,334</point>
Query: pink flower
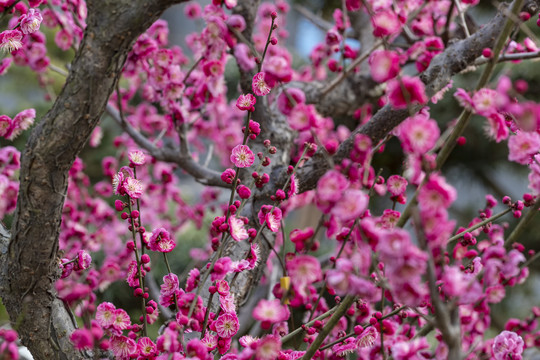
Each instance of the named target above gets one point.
<point>303,117</point>
<point>367,338</point>
<point>352,204</point>
<point>246,102</point>
<point>418,134</point>
<point>31,21</point>
<point>260,87</point>
<point>497,128</point>
<point>10,40</point>
<point>237,229</point>
<point>331,186</point>
<point>228,176</point>
<point>436,194</point>
<point>304,269</point>
<point>137,158</point>
<point>121,320</point>
<point>346,347</point>
<point>410,349</point>
<point>523,146</point>
<point>242,156</point>
<point>270,312</point>
<point>487,101</point>
<point>384,65</point>
<point>273,219</point>
<point>243,191</point>
<point>170,284</point>
<point>133,187</point>
<point>396,185</point>
<point>161,241</point>
<point>5,64</point>
<point>193,279</point>
<point>221,268</point>
<point>508,345</point>
<point>227,325</point>
<point>83,260</point>
<point>25,119</point>
<point>385,22</point>
<point>285,105</point>
<point>276,68</point>
<point>196,349</point>
<point>105,314</point>
<point>5,126</point>
<point>244,58</point>
<point>268,348</point>
<point>146,347</point>
<point>123,347</point>
<point>414,92</point>
<point>82,339</point>
<point>63,39</point>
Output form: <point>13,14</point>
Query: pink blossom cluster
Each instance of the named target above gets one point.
<point>184,103</point>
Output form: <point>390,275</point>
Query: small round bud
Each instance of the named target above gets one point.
<point>124,215</point>
<point>273,14</point>
<point>524,16</point>
<point>273,41</point>
<point>130,245</point>
<point>145,258</point>
<point>487,52</point>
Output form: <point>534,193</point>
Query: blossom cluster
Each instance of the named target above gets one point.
<point>392,278</point>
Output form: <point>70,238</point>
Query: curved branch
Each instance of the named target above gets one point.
<point>169,154</point>
<point>29,266</point>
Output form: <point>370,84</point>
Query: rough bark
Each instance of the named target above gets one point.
<point>29,264</point>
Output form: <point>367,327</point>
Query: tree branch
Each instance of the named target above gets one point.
<point>169,154</point>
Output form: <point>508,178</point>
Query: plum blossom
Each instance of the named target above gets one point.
<point>406,91</point>
<point>268,348</point>
<point>133,187</point>
<point>304,269</point>
<point>260,87</point>
<point>396,185</point>
<point>227,325</point>
<point>137,158</point>
<point>237,228</point>
<point>272,218</point>
<point>352,204</point>
<point>385,22</point>
<point>242,156</point>
<point>270,312</point>
<point>331,185</point>
<point>10,40</point>
<point>160,240</point>
<point>523,146</point>
<point>508,345</point>
<point>418,134</point>
<point>31,21</point>
<point>436,193</point>
<point>123,347</point>
<point>384,65</point>
<point>246,102</point>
